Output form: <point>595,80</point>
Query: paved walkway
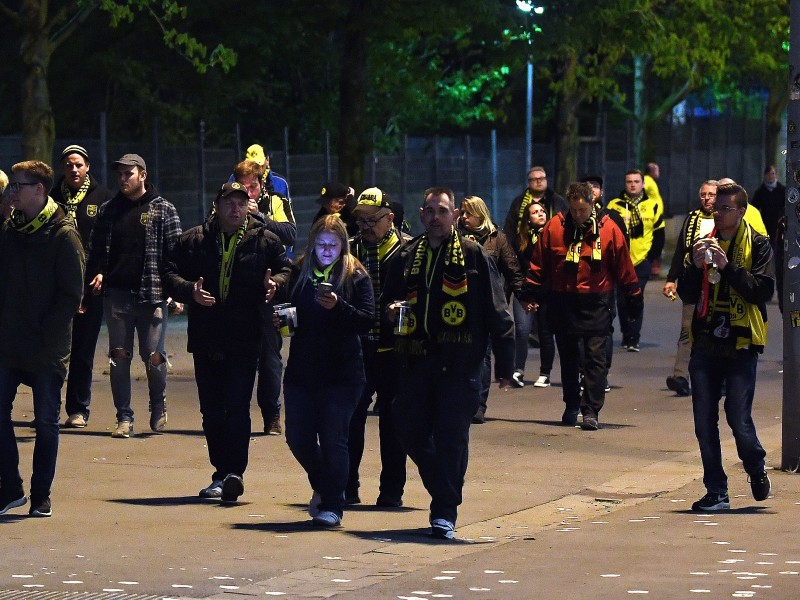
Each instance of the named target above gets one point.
<point>549,512</point>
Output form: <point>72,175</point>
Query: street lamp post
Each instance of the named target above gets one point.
<point>528,8</point>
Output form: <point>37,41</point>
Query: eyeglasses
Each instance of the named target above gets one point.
<point>370,223</point>
<point>13,186</point>
<point>537,179</point>
<point>724,209</point>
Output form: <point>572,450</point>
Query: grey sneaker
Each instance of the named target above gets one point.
<point>158,416</point>
<point>9,500</point>
<point>712,502</point>
<point>589,423</point>
<point>442,529</point>
<point>78,421</point>
<point>212,491</point>
<point>327,518</point>
<point>124,430</point>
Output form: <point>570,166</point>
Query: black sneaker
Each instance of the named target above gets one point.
<point>352,498</point>
<point>387,502</point>
<point>712,502</point>
<point>9,500</point>
<point>633,347</point>
<point>41,507</point>
<point>232,488</point>
<point>760,485</point>
<point>679,385</point>
<point>569,417</point>
<point>589,423</point>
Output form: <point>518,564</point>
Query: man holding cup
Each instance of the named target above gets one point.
<point>224,270</point>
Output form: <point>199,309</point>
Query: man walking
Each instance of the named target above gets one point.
<point>456,304</point>
<point>729,281</point>
<point>225,270</point>
<point>129,241</point>
<point>81,195</point>
<point>644,220</point>
<point>580,258</point>
<point>376,244</point>
<point>41,281</point>
<point>698,224</point>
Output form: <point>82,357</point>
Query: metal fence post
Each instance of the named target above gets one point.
<point>286,153</point>
<point>495,192</point>
<point>467,171</point>
<point>155,169</point>
<point>404,169</point>
<point>201,159</point>
<point>328,161</point>
<point>103,150</point>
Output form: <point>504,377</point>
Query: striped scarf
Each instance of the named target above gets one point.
<point>72,202</point>
<point>579,232</point>
<point>371,256</point>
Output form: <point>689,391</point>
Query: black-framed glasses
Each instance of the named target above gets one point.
<point>13,186</point>
<point>370,223</point>
<point>537,179</point>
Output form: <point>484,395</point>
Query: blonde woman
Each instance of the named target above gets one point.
<point>477,224</point>
<point>324,374</point>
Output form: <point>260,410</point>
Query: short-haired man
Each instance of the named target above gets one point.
<point>276,213</point>
<point>376,244</point>
<point>537,190</point>
<point>41,281</point>
<point>644,220</point>
<point>81,196</point>
<point>729,280</point>
<point>698,224</point>
<point>769,198</point>
<point>456,304</point>
<point>579,260</point>
<point>130,239</point>
<point>225,270</point>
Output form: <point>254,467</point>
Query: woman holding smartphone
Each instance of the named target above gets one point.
<point>324,374</point>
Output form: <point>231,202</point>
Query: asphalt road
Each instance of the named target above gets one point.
<point>549,511</point>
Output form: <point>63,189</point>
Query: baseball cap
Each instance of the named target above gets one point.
<point>333,189</point>
<point>373,198</point>
<point>592,179</point>
<point>130,160</point>
<point>232,187</point>
<point>256,153</point>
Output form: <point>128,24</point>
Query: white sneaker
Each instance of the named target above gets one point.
<point>516,380</point>
<point>442,529</point>
<point>313,504</point>
<point>212,491</point>
<point>542,382</point>
<point>327,518</point>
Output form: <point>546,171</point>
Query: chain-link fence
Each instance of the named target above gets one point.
<point>689,150</point>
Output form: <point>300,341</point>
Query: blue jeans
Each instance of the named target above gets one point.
<point>317,425</point>
<point>224,388</point>
<point>124,316</point>
<point>433,411</point>
<point>85,330</point>
<point>523,323</point>
<point>46,389</point>
<point>708,371</point>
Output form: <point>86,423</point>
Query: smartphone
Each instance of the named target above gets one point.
<point>325,289</point>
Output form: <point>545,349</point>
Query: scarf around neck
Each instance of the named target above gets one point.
<point>579,232</point>
<point>73,201</point>
<point>19,224</point>
<point>227,252</point>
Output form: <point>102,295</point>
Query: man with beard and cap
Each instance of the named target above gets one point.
<point>698,224</point>
<point>225,270</point>
<point>41,281</point>
<point>81,196</point>
<point>377,242</point>
<point>133,233</point>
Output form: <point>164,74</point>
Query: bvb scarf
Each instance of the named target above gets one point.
<point>324,275</point>
<point>527,200</point>
<point>72,202</point>
<point>371,256</point>
<point>591,227</point>
<point>227,252</point>
<point>694,231</point>
<point>726,318</point>
<point>444,315</point>
<point>19,224</point>
<point>633,218</point>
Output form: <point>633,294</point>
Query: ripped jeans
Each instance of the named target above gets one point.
<point>123,316</point>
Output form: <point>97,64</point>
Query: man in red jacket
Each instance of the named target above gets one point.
<point>580,257</point>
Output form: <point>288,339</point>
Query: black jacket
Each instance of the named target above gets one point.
<point>87,210</point>
<point>553,204</point>
<point>488,314</point>
<point>231,327</point>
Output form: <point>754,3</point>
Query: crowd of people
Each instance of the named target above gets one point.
<point>411,321</point>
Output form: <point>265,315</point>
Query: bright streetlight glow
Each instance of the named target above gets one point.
<point>529,7</point>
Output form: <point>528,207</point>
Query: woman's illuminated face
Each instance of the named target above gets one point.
<point>327,248</point>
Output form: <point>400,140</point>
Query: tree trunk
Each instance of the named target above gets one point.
<point>38,124</point>
<point>353,131</point>
<point>569,99</point>
<point>776,105</point>
<point>640,107</point>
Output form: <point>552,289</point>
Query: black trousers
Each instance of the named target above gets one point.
<point>586,354</point>
<point>85,330</point>
<point>380,369</point>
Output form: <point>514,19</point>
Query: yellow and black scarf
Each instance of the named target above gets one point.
<point>579,232</point>
<point>726,319</point>
<point>633,218</point>
<point>321,276</point>
<point>73,201</point>
<point>443,317</point>
<point>527,200</point>
<point>227,252</point>
<point>19,224</point>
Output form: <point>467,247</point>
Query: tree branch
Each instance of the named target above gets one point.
<point>9,14</point>
<point>677,96</point>
<point>71,25</point>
